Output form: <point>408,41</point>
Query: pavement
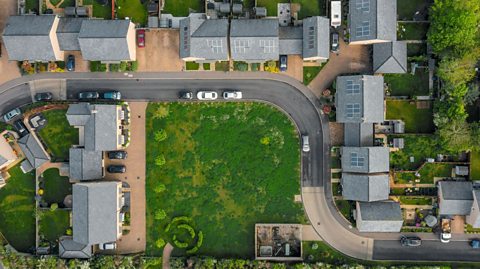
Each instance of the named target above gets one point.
<point>160,53</point>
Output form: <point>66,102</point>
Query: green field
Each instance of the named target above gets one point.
<point>419,147</point>
<point>17,207</point>
<point>475,165</point>
<point>133,9</point>
<point>54,224</point>
<point>56,187</point>
<point>180,8</point>
<point>416,120</point>
<point>58,135</point>
<point>308,8</point>
<point>310,72</point>
<point>413,31</point>
<point>100,11</point>
<point>408,84</point>
<point>427,173</point>
<point>225,165</point>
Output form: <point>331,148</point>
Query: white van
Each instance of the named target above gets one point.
<point>336,13</point>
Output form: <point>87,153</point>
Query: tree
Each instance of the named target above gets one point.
<point>160,160</point>
<point>160,214</point>
<point>159,188</point>
<point>457,71</point>
<point>161,112</point>
<point>160,243</point>
<point>455,136</point>
<point>449,110</point>
<point>472,95</point>
<point>454,25</point>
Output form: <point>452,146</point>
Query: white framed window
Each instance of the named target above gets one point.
<point>363,29</point>
<point>356,161</point>
<point>363,5</point>
<point>352,88</point>
<point>353,110</point>
<point>216,45</point>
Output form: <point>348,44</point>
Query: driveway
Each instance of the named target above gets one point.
<point>9,70</point>
<point>160,53</point>
<point>295,67</point>
<point>80,64</point>
<point>135,240</point>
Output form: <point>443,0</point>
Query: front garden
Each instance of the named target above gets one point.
<point>213,171</point>
<point>417,120</point>
<point>58,135</point>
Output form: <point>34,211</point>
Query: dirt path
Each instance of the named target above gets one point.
<point>167,251</point>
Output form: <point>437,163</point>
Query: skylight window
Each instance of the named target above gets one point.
<point>353,110</point>
<point>363,5</point>
<point>352,88</point>
<point>363,29</point>
<point>356,161</point>
<point>216,45</point>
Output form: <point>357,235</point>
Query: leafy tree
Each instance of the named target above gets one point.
<point>455,136</point>
<point>160,160</point>
<point>160,243</point>
<point>159,188</point>
<point>449,110</point>
<point>160,214</point>
<point>457,71</point>
<point>472,95</point>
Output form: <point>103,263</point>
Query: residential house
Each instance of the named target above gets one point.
<point>379,216</point>
<point>316,38</point>
<point>290,40</point>
<point>365,159</point>
<point>455,198</point>
<point>254,40</point>
<point>69,249</point>
<point>390,57</point>
<point>85,165</point>
<point>34,152</point>
<point>360,99</point>
<point>372,21</point>
<point>474,216</point>
<point>67,33</point>
<point>358,134</point>
<point>32,38</point>
<point>365,187</point>
<point>7,155</point>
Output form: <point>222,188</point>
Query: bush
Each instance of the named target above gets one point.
<point>97,66</point>
<point>206,66</point>
<point>132,66</point>
<point>53,207</point>
<point>159,188</point>
<point>178,243</point>
<point>160,243</point>
<point>160,160</point>
<point>189,228</point>
<point>160,214</point>
<point>114,67</point>
<point>160,135</point>
<point>123,67</point>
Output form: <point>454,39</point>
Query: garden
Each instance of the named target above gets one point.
<point>216,169</point>
<point>53,224</point>
<point>17,210</point>
<point>426,174</point>
<point>310,72</point>
<point>406,9</point>
<point>417,149</point>
<point>58,135</point>
<point>180,8</point>
<point>417,120</point>
<point>308,7</point>
<point>133,9</point>
<point>412,30</point>
<point>408,84</point>
<point>475,165</point>
<point>54,188</point>
<point>99,10</point>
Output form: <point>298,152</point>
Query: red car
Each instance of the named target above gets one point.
<point>141,38</point>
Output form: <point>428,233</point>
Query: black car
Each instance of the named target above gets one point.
<point>88,95</point>
<point>20,128</point>
<point>186,95</point>
<point>119,155</point>
<point>71,63</point>
<point>43,96</point>
<point>410,241</point>
<point>117,169</point>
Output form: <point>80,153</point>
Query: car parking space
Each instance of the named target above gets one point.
<point>160,53</point>
<point>80,64</point>
<point>295,67</point>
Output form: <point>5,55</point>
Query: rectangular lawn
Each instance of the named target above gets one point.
<point>416,120</point>
<point>180,8</point>
<point>475,165</point>
<point>58,135</point>
<point>56,187</point>
<point>412,31</point>
<point>408,84</point>
<point>225,165</point>
<point>54,224</point>
<point>17,207</point>
<point>419,147</point>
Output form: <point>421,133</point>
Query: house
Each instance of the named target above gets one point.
<point>85,165</point>
<point>34,153</point>
<point>96,212</point>
<point>358,135</point>
<point>254,40</point>
<point>107,40</point>
<point>365,187</point>
<point>379,216</point>
<point>390,57</point>
<point>290,40</point>
<point>365,159</point>
<point>372,21</point>
<point>359,99</point>
<point>67,33</point>
<point>69,249</point>
<point>455,198</point>
<point>202,39</point>
<point>32,38</point>
<point>7,155</point>
<point>316,38</point>
<point>474,216</point>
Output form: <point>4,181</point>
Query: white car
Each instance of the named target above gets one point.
<point>12,114</point>
<point>108,246</point>
<point>207,95</point>
<point>305,143</point>
<point>232,95</point>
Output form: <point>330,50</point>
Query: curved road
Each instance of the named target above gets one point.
<point>288,94</point>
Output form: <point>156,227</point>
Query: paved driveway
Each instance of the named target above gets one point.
<point>8,70</point>
<point>295,67</point>
<point>161,51</point>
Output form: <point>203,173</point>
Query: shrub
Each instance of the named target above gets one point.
<point>69,231</point>
<point>160,135</point>
<point>160,214</point>
<point>265,140</point>
<point>123,67</point>
<point>53,207</point>
<point>159,188</point>
<point>132,66</point>
<point>160,243</point>
<point>97,66</point>
<point>178,243</point>
<point>189,228</point>
<point>160,160</point>
<point>114,67</point>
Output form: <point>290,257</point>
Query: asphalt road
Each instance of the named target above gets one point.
<point>14,97</point>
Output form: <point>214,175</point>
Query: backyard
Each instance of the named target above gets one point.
<point>99,10</point>
<point>406,9</point>
<point>412,31</point>
<point>17,207</point>
<point>408,84</point>
<point>54,224</point>
<point>308,7</point>
<point>475,165</point>
<point>220,168</point>
<point>416,120</point>
<point>58,135</point>
<point>55,186</point>
<point>134,9</point>
<point>180,8</point>
<point>419,147</point>
<point>427,173</point>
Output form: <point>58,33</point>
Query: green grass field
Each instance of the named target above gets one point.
<point>475,165</point>
<point>225,165</point>
<point>17,205</point>
<point>56,186</point>
<point>54,224</point>
<point>180,8</point>
<point>419,147</point>
<point>192,65</point>
<point>308,8</point>
<point>427,173</point>
<point>406,8</point>
<point>99,11</point>
<point>408,84</point>
<point>416,120</point>
<point>413,31</point>
<point>310,72</point>
<point>133,9</point>
<point>58,135</point>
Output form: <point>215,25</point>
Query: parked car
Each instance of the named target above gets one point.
<point>232,95</point>
<point>20,128</point>
<point>112,95</point>
<point>305,143</point>
<point>88,95</point>
<point>117,169</point>
<point>410,241</point>
<point>141,38</point>
<point>283,63</point>
<point>117,155</point>
<point>71,63</point>
<point>475,243</point>
<point>43,96</point>
<point>335,43</point>
<point>12,114</point>
<point>207,95</point>
<point>185,95</point>
<point>108,246</point>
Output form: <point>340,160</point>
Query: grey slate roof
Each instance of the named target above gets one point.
<point>290,40</point>
<point>380,211</point>
<point>365,188</point>
<point>69,249</point>
<point>67,33</point>
<point>456,197</point>
<point>390,57</point>
<point>379,15</point>
<point>358,135</point>
<point>365,102</point>
<point>370,159</point>
<point>205,39</point>
<point>95,212</point>
<point>105,40</point>
<point>28,38</point>
<point>316,37</point>
<point>85,165</point>
<point>254,39</point>
<point>33,150</point>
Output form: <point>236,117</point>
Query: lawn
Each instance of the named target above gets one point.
<point>226,166</point>
<point>68,3</point>
<point>310,72</point>
<point>346,207</point>
<point>17,207</point>
<point>180,8</point>
<point>416,120</point>
<point>56,187</point>
<point>99,11</point>
<point>31,5</point>
<point>308,7</point>
<point>54,224</point>
<point>58,135</point>
<point>412,31</point>
<point>133,9</point>
<point>415,49</point>
<point>192,65</point>
<point>475,165</point>
<point>419,147</point>
<point>408,84</point>
<point>427,173</point>
<point>406,8</point>
<point>221,66</point>
<point>407,200</point>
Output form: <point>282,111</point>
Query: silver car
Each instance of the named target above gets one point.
<point>12,114</point>
<point>207,95</point>
<point>232,95</point>
<point>305,143</point>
